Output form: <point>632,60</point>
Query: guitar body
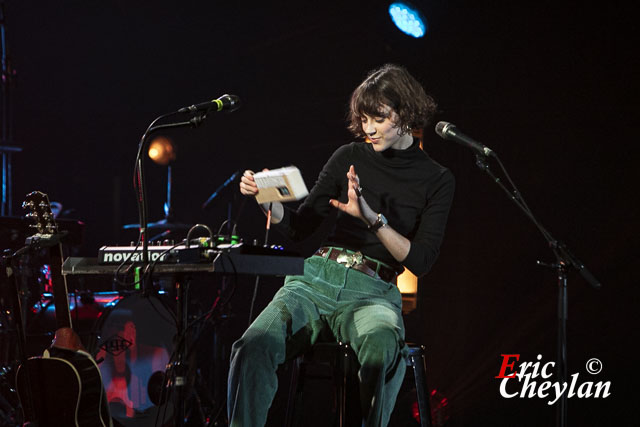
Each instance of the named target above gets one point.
<point>63,387</point>
<point>66,390</point>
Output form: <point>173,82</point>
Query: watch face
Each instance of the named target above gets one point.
<point>383,219</point>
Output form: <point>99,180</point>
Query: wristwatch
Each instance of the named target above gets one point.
<point>380,222</point>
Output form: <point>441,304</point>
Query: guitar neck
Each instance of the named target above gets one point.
<point>48,235</point>
<point>60,293</point>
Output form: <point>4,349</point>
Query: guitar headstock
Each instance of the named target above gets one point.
<point>40,213</point>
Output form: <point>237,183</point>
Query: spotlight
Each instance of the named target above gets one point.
<point>161,150</point>
<point>408,19</point>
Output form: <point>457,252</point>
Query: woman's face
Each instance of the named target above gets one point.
<point>382,131</point>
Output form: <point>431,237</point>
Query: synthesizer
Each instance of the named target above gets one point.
<point>200,252</point>
<point>169,259</point>
<point>115,255</point>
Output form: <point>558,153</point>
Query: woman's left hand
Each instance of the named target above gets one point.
<point>356,205</point>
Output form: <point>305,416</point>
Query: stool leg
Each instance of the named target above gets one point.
<point>293,391</point>
<point>417,361</point>
<point>343,371</point>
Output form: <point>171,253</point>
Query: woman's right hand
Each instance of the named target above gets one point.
<point>248,185</point>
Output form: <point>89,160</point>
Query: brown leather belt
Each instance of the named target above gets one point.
<point>359,262</point>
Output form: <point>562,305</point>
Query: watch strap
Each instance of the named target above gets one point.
<point>380,222</point>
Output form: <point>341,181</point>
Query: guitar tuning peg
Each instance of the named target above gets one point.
<point>38,226</point>
<point>27,205</point>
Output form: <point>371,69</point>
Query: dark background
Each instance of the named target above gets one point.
<point>550,86</point>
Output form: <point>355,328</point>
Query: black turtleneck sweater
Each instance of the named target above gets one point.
<point>410,189</point>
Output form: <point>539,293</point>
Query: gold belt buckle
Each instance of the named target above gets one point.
<point>349,260</point>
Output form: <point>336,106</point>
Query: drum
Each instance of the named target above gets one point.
<point>133,347</point>
<point>131,337</point>
<point>85,309</point>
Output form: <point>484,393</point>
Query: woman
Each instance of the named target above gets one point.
<point>392,202</point>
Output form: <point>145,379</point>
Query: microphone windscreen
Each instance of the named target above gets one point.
<point>441,128</point>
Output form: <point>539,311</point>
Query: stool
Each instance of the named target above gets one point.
<point>342,360</point>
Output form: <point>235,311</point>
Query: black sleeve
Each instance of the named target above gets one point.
<point>301,223</point>
<point>425,246</point>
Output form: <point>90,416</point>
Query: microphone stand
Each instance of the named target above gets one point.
<point>142,211</point>
<point>139,180</point>
<point>565,260</point>
<point>139,183</point>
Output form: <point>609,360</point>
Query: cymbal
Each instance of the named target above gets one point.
<point>163,224</point>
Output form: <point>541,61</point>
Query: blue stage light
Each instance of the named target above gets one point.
<point>408,19</point>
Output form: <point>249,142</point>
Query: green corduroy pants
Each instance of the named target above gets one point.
<point>329,300</point>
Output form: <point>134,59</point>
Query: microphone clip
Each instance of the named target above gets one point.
<point>197,119</point>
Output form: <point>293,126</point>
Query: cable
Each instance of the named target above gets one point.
<point>195,227</point>
<point>122,264</point>
<point>181,340</point>
<point>255,286</point>
<point>227,221</point>
<point>148,271</point>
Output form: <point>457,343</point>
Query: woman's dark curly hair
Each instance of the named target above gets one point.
<point>391,85</point>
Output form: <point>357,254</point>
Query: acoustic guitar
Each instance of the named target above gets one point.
<point>63,387</point>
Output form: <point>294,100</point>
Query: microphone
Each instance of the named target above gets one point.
<point>450,132</point>
<point>224,103</point>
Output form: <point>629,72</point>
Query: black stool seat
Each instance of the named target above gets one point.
<point>343,364</point>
